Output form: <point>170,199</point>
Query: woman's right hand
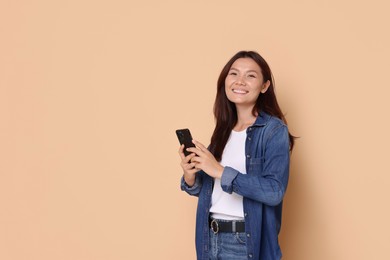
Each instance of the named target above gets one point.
<point>189,168</point>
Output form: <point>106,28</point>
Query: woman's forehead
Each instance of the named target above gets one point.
<point>245,64</point>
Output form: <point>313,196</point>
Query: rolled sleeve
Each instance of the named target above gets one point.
<point>228,176</point>
<point>194,189</point>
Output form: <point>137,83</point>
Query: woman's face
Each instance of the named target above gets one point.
<point>244,82</point>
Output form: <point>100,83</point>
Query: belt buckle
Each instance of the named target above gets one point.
<point>214,226</point>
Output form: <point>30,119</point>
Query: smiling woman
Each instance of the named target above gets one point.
<point>242,178</point>
<point>244,83</point>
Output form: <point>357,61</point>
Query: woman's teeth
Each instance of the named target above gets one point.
<point>239,91</point>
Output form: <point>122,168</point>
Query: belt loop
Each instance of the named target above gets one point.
<point>234,226</point>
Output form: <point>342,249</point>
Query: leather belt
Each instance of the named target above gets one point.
<point>231,226</point>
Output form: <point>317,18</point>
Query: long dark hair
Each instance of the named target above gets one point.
<point>225,112</point>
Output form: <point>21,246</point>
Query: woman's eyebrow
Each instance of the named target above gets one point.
<point>246,71</point>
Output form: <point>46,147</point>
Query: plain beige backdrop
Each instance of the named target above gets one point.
<point>92,91</point>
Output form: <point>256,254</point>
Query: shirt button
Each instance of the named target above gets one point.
<point>248,235</point>
<point>249,138</point>
<point>250,255</point>
<point>246,214</point>
<point>248,156</point>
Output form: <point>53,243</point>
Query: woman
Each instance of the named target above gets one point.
<point>242,177</point>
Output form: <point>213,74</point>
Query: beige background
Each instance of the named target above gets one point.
<point>92,91</point>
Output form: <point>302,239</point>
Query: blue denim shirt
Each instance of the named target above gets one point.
<point>263,189</point>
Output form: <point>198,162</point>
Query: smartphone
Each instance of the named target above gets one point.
<point>184,136</point>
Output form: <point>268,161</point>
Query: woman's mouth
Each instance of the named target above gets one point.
<point>239,91</point>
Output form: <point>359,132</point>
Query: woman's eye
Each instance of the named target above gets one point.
<point>232,73</point>
<point>252,76</point>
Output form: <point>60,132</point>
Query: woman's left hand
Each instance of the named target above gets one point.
<point>205,160</point>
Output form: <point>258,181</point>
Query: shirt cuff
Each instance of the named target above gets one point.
<point>228,176</point>
<point>184,185</point>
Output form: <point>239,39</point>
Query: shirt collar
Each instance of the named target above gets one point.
<point>262,119</point>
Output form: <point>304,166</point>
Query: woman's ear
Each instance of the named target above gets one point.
<point>265,86</point>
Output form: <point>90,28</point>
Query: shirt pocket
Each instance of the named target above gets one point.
<point>256,165</point>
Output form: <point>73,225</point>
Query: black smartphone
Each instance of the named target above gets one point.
<point>184,136</point>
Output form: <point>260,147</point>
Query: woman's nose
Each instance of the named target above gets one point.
<point>240,81</point>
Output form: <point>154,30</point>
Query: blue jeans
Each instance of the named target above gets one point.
<point>227,246</point>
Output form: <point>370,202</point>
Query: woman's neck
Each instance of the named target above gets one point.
<point>245,118</point>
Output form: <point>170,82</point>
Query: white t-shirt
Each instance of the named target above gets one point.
<point>224,205</point>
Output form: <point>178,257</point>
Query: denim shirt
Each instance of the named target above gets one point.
<point>263,188</point>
